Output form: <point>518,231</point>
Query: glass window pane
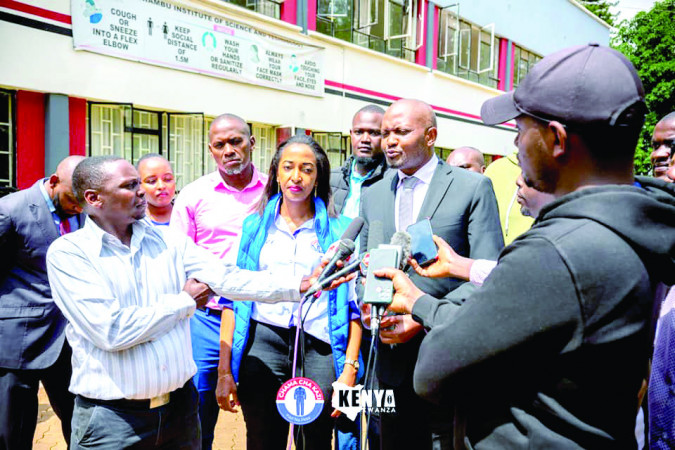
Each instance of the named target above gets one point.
<point>4,107</point>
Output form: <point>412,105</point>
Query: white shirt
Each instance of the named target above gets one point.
<point>424,174</point>
<point>289,254</point>
<point>127,314</point>
<point>480,270</point>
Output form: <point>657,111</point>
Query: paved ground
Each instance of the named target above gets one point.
<point>230,431</point>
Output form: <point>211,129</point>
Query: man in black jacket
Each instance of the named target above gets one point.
<point>552,350</point>
<point>364,167</point>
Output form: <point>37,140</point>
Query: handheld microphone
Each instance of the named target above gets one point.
<point>344,249</point>
<point>358,264</point>
<point>403,240</point>
<point>379,291</point>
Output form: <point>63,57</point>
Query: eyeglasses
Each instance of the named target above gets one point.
<point>361,132</point>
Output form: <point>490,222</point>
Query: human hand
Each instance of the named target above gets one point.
<point>365,314</point>
<point>199,291</point>
<point>398,329</point>
<point>405,291</point>
<point>307,282</point>
<point>347,377</point>
<point>448,263</point>
<point>226,393</point>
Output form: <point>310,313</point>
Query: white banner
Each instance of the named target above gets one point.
<point>167,34</point>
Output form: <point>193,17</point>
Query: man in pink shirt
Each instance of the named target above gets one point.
<point>210,211</point>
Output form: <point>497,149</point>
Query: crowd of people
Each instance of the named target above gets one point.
<point>143,313</point>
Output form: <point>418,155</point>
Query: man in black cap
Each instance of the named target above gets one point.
<point>551,351</point>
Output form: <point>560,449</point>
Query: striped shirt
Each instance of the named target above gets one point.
<point>127,315</point>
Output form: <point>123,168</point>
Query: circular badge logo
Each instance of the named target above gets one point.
<point>300,401</point>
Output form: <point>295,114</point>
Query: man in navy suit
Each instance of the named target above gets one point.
<point>31,326</point>
<point>462,209</point>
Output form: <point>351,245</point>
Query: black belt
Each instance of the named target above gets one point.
<point>125,403</point>
<point>211,311</point>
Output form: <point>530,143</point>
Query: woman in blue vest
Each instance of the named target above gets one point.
<point>292,229</point>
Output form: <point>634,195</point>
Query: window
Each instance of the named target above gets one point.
<point>147,133</point>
<point>269,8</point>
<point>7,148</point>
<point>523,60</point>
<point>388,26</point>
<point>442,152</point>
<point>209,162</point>
<point>186,146</point>
<point>107,129</point>
<point>335,146</point>
<point>265,146</point>
<point>467,50</point>
<point>122,130</point>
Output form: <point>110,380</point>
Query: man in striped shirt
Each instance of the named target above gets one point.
<point>128,291</point>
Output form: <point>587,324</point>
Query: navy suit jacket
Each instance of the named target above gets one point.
<point>462,208</point>
<point>31,326</point>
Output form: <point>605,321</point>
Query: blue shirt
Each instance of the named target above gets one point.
<point>353,201</point>
<point>293,254</point>
<point>72,220</point>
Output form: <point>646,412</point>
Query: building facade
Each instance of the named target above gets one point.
<point>128,77</point>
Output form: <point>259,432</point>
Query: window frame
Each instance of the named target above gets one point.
<point>10,183</point>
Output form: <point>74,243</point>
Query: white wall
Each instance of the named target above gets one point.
<point>38,60</point>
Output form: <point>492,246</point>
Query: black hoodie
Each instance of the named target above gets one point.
<point>552,350</point>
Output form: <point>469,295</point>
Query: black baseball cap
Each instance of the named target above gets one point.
<point>583,85</point>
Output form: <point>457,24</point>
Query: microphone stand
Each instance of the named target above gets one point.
<point>299,338</point>
<point>376,313</point>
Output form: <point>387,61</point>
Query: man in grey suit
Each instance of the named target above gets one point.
<point>31,326</point>
<point>463,210</point>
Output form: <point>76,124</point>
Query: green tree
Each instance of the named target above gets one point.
<point>602,9</point>
<point>648,40</point>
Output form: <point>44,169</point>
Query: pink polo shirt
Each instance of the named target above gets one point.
<point>211,213</point>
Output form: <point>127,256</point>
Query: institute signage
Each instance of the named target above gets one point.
<point>168,34</point>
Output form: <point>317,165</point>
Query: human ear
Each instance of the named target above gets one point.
<point>92,198</point>
<point>431,135</point>
<point>560,138</point>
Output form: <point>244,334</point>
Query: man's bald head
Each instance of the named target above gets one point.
<point>468,158</point>
<point>59,187</point>
<point>418,109</point>
<point>408,135</point>
<point>231,119</point>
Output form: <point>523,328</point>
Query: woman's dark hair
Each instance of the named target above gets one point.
<point>323,189</point>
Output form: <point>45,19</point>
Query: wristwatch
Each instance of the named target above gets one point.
<point>352,362</point>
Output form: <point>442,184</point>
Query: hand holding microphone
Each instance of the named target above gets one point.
<point>321,278</point>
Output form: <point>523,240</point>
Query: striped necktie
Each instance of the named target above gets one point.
<point>405,206</point>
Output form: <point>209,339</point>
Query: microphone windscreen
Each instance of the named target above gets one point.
<point>403,240</point>
<point>375,234</point>
<point>353,229</point>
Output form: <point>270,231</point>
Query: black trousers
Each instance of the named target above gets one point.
<point>266,364</point>
<point>416,423</point>
<point>19,401</point>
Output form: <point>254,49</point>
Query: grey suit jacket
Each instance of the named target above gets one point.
<point>31,326</point>
<point>462,208</point>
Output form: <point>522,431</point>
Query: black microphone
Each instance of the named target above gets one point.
<point>346,270</point>
<point>344,250</point>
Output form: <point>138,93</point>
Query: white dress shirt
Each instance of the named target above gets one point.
<point>424,174</point>
<point>127,314</point>
<point>289,254</point>
<point>479,271</point>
